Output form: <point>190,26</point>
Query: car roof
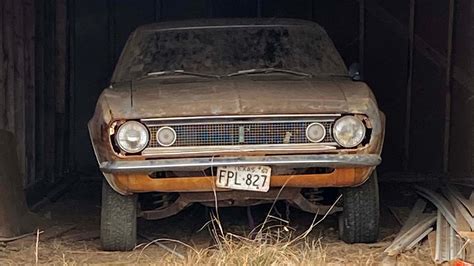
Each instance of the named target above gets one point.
<point>227,22</point>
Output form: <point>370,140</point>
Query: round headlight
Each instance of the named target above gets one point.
<point>166,136</point>
<point>132,137</point>
<point>315,132</point>
<point>349,131</point>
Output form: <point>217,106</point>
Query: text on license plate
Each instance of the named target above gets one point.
<point>253,178</point>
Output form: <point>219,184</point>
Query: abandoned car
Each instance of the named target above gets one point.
<point>235,112</point>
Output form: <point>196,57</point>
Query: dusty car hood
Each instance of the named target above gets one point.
<point>151,99</point>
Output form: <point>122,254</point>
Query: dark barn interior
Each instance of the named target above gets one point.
<point>417,55</point>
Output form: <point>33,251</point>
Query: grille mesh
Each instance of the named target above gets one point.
<point>228,134</point>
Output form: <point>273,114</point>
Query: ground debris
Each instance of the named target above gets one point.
<point>82,236</point>
<point>418,224</point>
<point>448,229</point>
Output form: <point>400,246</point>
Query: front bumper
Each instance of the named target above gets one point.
<point>197,164</point>
<point>128,177</point>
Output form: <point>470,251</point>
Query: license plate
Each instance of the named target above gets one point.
<point>253,178</point>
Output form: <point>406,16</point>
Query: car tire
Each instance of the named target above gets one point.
<point>359,220</point>
<point>118,225</point>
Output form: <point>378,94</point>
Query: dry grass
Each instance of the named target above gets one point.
<point>274,242</point>
<point>276,245</point>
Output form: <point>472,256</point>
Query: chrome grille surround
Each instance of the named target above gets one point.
<point>241,131</point>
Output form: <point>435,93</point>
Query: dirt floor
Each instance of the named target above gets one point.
<point>70,236</point>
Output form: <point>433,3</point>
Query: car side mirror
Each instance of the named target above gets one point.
<point>354,72</point>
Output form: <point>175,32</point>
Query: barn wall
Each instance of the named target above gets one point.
<point>33,73</point>
<point>461,163</point>
<point>57,56</point>
<point>17,73</point>
<point>437,116</point>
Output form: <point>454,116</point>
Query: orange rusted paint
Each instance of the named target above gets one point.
<point>135,183</point>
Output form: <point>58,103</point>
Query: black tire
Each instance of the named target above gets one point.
<point>359,220</point>
<point>118,224</point>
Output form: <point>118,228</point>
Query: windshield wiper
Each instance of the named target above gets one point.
<point>179,72</point>
<point>268,70</point>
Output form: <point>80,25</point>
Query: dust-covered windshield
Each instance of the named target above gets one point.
<point>229,49</point>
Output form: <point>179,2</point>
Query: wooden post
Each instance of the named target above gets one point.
<point>448,84</point>
<point>9,64</point>
<point>259,8</point>
<point>60,84</point>
<point>49,91</point>
<point>411,59</point>
<point>3,69</point>
<point>158,10</point>
<point>362,37</point>
<point>111,13</point>
<point>19,83</point>
<point>40,88</point>
<point>15,219</point>
<point>71,83</point>
<point>30,101</point>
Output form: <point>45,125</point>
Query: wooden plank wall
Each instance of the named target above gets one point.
<point>33,87</point>
<point>17,74</point>
<point>440,109</point>
<point>461,146</point>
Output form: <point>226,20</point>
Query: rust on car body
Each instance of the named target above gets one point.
<point>188,98</point>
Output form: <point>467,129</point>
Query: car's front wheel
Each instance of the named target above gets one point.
<point>118,225</point>
<point>359,220</point>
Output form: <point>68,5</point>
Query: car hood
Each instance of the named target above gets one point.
<point>155,99</point>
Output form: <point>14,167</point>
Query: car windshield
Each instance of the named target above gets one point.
<point>230,49</point>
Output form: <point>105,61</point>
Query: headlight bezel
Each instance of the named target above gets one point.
<point>122,127</point>
<point>353,144</point>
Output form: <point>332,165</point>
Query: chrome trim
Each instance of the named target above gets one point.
<point>320,139</point>
<point>158,139</point>
<point>297,161</point>
<point>204,150</point>
<point>239,116</point>
<point>240,122</point>
<point>225,27</point>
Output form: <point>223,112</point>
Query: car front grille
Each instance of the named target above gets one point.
<point>237,133</point>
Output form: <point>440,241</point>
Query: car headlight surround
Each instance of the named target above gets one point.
<point>349,131</point>
<point>166,136</point>
<point>132,137</point>
<point>315,132</point>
